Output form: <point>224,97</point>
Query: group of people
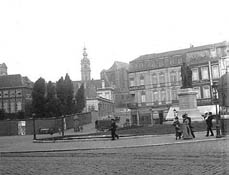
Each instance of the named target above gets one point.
<point>185,129</point>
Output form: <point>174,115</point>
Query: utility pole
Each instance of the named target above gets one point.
<point>34,127</point>
<point>214,87</point>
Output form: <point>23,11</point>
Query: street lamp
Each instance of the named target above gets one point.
<point>34,127</point>
<point>214,88</point>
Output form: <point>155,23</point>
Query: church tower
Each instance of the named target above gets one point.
<point>85,67</point>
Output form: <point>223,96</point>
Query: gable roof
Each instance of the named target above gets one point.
<point>90,87</point>
<point>16,80</point>
<point>118,65</point>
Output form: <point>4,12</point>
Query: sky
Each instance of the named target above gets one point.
<point>46,38</point>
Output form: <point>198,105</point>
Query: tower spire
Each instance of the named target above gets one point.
<point>85,67</point>
<point>84,52</point>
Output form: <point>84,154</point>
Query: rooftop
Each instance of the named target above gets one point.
<point>180,51</point>
<point>16,80</point>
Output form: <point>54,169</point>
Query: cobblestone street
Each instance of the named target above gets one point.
<point>208,158</point>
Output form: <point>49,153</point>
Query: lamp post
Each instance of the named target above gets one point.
<point>214,88</point>
<point>62,124</point>
<point>34,127</point>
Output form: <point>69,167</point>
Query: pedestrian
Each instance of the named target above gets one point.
<point>177,126</point>
<point>186,130</point>
<point>190,125</point>
<point>113,130</point>
<point>208,118</point>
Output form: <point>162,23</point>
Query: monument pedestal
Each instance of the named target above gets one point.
<point>188,104</point>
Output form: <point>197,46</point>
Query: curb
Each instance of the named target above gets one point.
<point>117,147</point>
<point>94,138</point>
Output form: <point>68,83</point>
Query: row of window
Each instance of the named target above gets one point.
<point>156,94</point>
<point>10,93</point>
<point>160,62</point>
<point>204,73</point>
<point>11,107</point>
<point>161,95</point>
<point>175,76</point>
<point>158,79</point>
<point>206,92</point>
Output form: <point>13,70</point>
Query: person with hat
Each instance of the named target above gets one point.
<point>113,130</point>
<point>187,132</point>
<point>177,126</point>
<point>208,118</point>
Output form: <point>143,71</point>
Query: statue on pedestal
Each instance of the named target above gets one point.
<point>186,75</point>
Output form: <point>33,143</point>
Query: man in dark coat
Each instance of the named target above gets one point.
<point>113,130</point>
<point>208,118</point>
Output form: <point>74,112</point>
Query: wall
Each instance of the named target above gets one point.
<point>10,127</point>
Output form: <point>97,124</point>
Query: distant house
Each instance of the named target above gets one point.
<point>15,93</point>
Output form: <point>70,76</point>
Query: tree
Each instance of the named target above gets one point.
<point>64,89</point>
<point>38,97</point>
<point>68,89</point>
<point>28,108</point>
<point>80,99</point>
<point>60,95</point>
<point>51,106</point>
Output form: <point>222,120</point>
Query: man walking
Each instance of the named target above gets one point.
<point>208,118</point>
<point>113,130</point>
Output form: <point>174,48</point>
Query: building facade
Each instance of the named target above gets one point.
<point>117,78</point>
<point>15,93</point>
<point>106,92</point>
<point>155,79</point>
<point>104,107</point>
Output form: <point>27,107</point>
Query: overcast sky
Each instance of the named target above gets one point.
<point>45,38</point>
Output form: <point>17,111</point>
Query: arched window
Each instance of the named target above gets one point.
<point>215,71</point>
<point>155,96</point>
<point>206,91</point>
<point>162,78</point>
<point>204,73</point>
<point>143,97</point>
<point>163,95</point>
<point>174,94</point>
<point>154,79</point>
<point>132,81</point>
<point>173,77</point>
<point>142,80</point>
<point>195,74</point>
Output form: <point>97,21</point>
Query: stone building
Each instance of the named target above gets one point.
<point>155,79</point>
<point>15,93</point>
<point>117,76</point>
